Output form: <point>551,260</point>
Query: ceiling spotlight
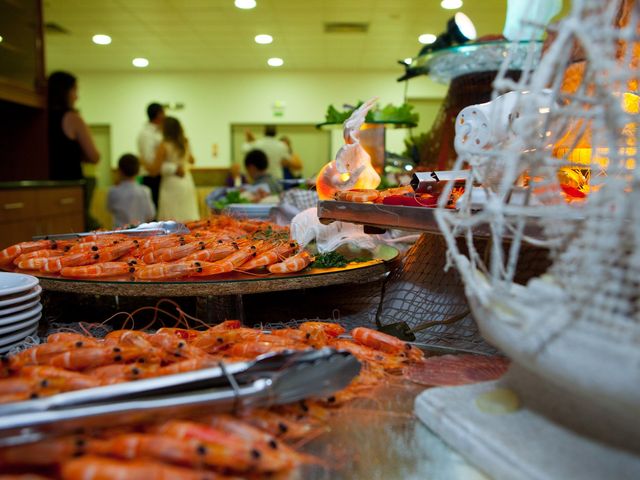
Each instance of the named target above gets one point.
<point>275,62</point>
<point>1,38</point>
<point>140,62</point>
<point>263,39</point>
<point>245,4</point>
<point>451,4</point>
<point>101,39</point>
<point>427,38</point>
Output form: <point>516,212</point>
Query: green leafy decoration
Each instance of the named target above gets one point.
<point>231,197</point>
<point>390,113</point>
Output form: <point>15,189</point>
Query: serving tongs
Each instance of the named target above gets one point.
<point>272,379</point>
<point>143,230</point>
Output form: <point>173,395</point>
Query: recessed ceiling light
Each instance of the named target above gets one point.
<point>408,60</point>
<point>1,38</point>
<point>245,4</point>
<point>263,39</point>
<point>451,4</point>
<point>275,62</point>
<point>140,62</point>
<point>101,39</point>
<point>427,38</point>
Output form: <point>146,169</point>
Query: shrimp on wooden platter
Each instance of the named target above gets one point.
<point>99,270</point>
<point>165,271</point>
<point>10,253</point>
<point>292,264</point>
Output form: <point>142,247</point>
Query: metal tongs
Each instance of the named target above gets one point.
<point>143,230</point>
<point>271,379</point>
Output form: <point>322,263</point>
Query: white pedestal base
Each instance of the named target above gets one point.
<point>519,445</point>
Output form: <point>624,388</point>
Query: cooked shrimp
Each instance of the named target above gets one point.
<point>274,255</point>
<point>386,343</point>
<point>165,271</point>
<point>360,196</point>
<point>292,264</point>
<point>58,378</point>
<point>173,253</point>
<point>92,467</point>
<point>44,453</point>
<point>98,270</point>
<point>74,338</point>
<point>214,253</point>
<point>10,253</point>
<point>227,264</point>
<point>92,357</point>
<point>55,264</point>
<point>37,254</point>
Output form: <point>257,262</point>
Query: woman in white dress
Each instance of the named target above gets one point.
<point>177,199</point>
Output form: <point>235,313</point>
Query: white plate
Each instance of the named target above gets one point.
<point>20,297</point>
<point>16,327</point>
<point>17,307</point>
<point>7,343</point>
<point>16,317</point>
<point>16,282</point>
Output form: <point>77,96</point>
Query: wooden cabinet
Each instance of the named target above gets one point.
<point>23,114</point>
<point>25,212</point>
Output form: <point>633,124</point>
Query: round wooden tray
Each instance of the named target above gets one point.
<point>232,284</point>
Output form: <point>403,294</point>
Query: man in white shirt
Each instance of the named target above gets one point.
<point>275,150</point>
<point>149,140</point>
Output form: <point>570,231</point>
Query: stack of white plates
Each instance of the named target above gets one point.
<point>250,210</point>
<point>20,308</point>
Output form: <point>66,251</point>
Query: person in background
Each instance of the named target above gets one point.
<point>149,140</point>
<point>276,151</point>
<point>235,178</point>
<point>70,140</point>
<point>128,202</point>
<point>257,165</point>
<point>178,199</point>
<point>291,167</point>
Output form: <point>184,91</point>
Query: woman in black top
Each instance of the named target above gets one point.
<point>70,141</point>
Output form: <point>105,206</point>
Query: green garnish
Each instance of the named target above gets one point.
<point>390,113</point>
<point>334,260</point>
<point>231,197</point>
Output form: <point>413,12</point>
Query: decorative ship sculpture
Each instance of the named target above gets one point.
<point>575,330</point>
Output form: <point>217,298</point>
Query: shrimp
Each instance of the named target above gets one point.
<point>214,253</point>
<point>55,264</point>
<point>92,357</point>
<point>108,374</point>
<point>271,256</point>
<point>226,449</point>
<point>330,328</point>
<point>44,453</point>
<point>42,353</point>
<point>226,265</point>
<point>98,270</point>
<point>73,337</point>
<point>37,254</point>
<point>255,348</point>
<point>292,264</point>
<point>386,343</point>
<point>281,426</point>
<point>62,380</point>
<point>188,365</point>
<point>10,253</point>
<point>92,467</point>
<point>173,253</point>
<point>165,271</point>
<point>175,347</point>
<point>367,354</point>
<point>358,195</point>
<point>116,251</point>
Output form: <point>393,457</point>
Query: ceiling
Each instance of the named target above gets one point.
<point>214,35</point>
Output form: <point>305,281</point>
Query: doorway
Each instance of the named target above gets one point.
<point>312,145</point>
<point>100,175</point>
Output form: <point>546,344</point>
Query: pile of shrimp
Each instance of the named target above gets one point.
<point>249,444</point>
<point>216,246</point>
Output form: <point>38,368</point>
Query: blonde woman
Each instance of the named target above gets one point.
<point>177,200</point>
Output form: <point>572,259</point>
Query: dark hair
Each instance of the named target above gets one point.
<point>153,110</point>
<point>129,165</point>
<point>258,159</point>
<point>173,133</point>
<point>58,88</point>
<point>270,131</point>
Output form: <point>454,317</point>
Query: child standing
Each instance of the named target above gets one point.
<point>129,202</point>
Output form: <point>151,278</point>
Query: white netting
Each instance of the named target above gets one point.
<point>572,133</point>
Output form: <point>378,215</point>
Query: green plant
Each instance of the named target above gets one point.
<point>390,113</point>
<point>231,197</point>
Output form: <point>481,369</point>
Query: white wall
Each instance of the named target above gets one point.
<point>215,100</point>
